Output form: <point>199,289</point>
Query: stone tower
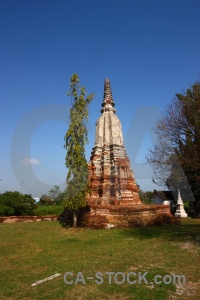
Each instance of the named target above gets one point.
<point>110,175</point>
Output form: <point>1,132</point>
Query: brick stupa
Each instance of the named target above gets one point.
<point>111,177</point>
<point>114,196</point>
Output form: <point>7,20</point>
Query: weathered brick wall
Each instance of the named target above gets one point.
<point>133,216</point>
<point>12,219</point>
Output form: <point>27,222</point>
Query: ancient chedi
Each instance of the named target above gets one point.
<point>114,196</point>
<point>110,174</point>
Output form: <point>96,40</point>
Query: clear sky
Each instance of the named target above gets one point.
<point>150,50</point>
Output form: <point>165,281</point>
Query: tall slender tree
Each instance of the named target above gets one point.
<point>75,140</point>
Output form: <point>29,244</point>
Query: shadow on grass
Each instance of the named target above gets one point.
<point>66,217</point>
<point>189,230</point>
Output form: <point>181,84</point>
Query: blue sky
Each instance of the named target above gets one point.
<point>148,49</point>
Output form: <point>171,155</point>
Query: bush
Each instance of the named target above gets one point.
<point>46,210</point>
<point>6,210</point>
<point>16,204</point>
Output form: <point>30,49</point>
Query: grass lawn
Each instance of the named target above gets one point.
<point>33,251</point>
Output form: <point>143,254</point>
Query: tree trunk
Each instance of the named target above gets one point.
<point>75,219</point>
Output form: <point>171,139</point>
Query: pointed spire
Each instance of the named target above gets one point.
<point>108,102</point>
<point>107,92</point>
<point>179,199</point>
<point>180,211</point>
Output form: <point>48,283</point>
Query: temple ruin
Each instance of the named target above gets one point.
<point>114,195</point>
<point>110,174</point>
<point>113,200</point>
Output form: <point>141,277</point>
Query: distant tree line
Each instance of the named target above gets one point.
<point>146,197</point>
<point>18,204</point>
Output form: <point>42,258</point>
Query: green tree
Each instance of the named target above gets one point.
<point>16,204</point>
<point>146,196</point>
<point>56,195</point>
<point>75,140</point>
<point>175,157</point>
<point>46,200</point>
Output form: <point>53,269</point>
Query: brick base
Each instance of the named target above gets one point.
<point>113,216</point>
<point>124,217</point>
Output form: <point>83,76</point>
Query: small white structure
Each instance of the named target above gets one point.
<point>180,211</point>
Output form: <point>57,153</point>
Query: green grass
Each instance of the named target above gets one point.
<point>33,251</point>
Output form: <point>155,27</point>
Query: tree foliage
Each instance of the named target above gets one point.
<point>75,140</point>
<point>175,157</point>
<point>46,200</point>
<point>16,204</point>
<point>146,197</point>
<point>56,195</point>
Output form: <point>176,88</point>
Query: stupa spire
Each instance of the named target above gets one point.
<point>108,102</point>
<point>107,98</point>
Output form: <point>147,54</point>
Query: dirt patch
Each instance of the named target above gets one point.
<point>190,290</point>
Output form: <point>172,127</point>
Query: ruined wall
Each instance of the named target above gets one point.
<point>12,219</point>
<point>109,216</point>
